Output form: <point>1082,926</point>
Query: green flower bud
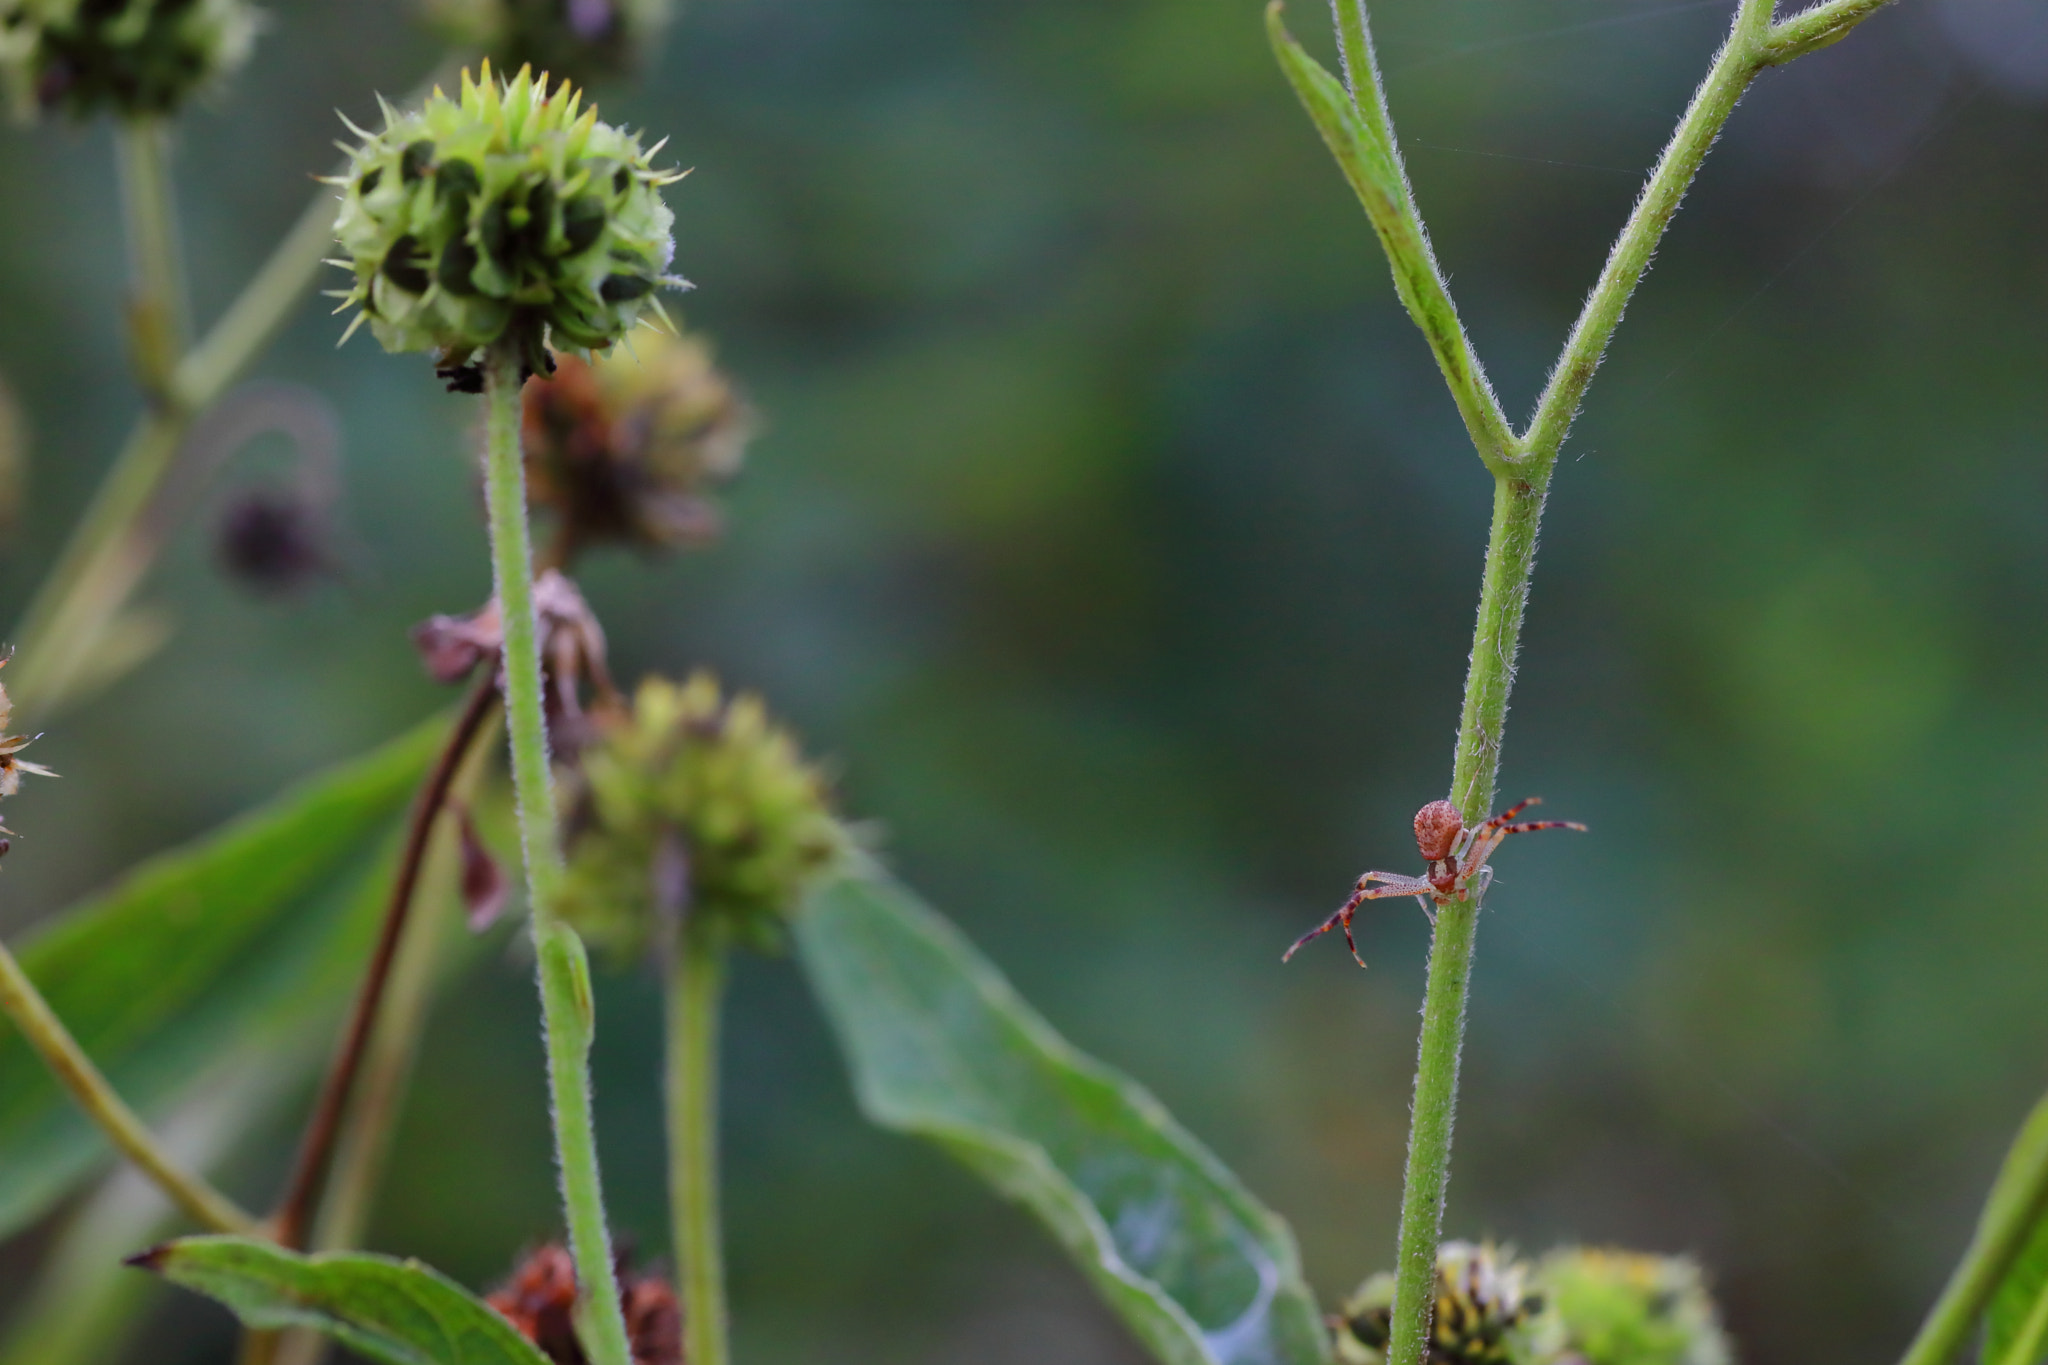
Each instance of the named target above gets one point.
<point>1481,1315</point>
<point>700,802</point>
<point>128,57</point>
<point>510,213</point>
<point>623,448</point>
<point>1629,1308</point>
<point>578,40</point>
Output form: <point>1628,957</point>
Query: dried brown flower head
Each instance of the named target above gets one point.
<point>622,449</point>
<point>540,1299</point>
<point>572,650</point>
<point>11,765</point>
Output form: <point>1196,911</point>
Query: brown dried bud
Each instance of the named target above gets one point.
<point>484,884</point>
<point>572,649</point>
<point>622,449</point>
<point>540,1301</point>
<point>11,766</point>
<point>273,542</point>
<point>1437,827</point>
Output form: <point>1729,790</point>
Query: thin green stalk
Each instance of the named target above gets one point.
<point>104,558</point>
<point>695,985</point>
<point>1738,62</point>
<point>2017,1204</point>
<point>106,555</point>
<point>567,1010</point>
<point>156,301</point>
<point>24,1004</point>
<point>1518,506</point>
<point>1361,135</point>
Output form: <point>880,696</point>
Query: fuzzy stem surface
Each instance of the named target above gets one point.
<point>567,1009</point>
<point>1519,493</point>
<point>696,986</point>
<point>200,1201</point>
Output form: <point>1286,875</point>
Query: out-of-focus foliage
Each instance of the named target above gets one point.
<point>244,932</point>
<point>940,1046</point>
<point>1111,529</point>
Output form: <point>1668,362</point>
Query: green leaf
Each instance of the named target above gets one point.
<point>400,1312</point>
<point>254,927</point>
<point>2016,1324</point>
<point>941,1046</point>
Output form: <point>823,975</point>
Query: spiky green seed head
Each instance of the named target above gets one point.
<point>579,40</point>
<point>700,807</point>
<point>1628,1308</point>
<point>509,213</point>
<point>133,58</point>
<point>1484,1305</point>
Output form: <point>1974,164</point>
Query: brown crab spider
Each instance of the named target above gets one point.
<point>1457,865</point>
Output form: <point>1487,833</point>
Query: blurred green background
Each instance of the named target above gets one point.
<point>1112,532</point>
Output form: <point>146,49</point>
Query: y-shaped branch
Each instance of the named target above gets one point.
<point>1361,136</point>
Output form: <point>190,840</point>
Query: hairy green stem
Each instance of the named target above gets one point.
<point>567,1010</point>
<point>1510,557</point>
<point>24,1004</point>
<point>2017,1204</point>
<point>695,985</point>
<point>1373,164</point>
<point>156,299</point>
<point>1738,62</point>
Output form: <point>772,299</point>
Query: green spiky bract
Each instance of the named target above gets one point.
<point>713,783</point>
<point>510,212</point>
<point>134,58</point>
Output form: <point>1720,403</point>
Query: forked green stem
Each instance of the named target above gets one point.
<point>24,1004</point>
<point>696,985</point>
<point>1362,138</point>
<point>567,1010</point>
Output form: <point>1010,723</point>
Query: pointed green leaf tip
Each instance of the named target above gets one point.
<point>398,1312</point>
<point>509,212</point>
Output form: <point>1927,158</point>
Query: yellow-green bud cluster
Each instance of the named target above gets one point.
<point>579,40</point>
<point>1482,1310</point>
<point>128,57</point>
<point>702,801</point>
<point>1628,1308</point>
<point>510,213</point>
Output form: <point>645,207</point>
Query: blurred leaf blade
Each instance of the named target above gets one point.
<point>399,1312</point>
<point>190,950</point>
<point>940,1045</point>
<point>2016,1323</point>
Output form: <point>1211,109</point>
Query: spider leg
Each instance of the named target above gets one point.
<point>1531,826</point>
<point>1396,886</point>
<point>1511,812</point>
